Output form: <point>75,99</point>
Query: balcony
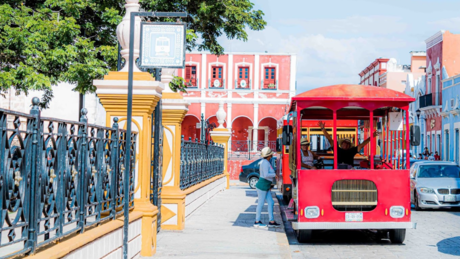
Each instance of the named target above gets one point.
<point>426,100</point>
<point>430,104</point>
<point>433,99</point>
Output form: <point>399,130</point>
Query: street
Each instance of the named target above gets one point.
<point>222,228</point>
<point>437,236</point>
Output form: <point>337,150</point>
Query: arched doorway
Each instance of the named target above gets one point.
<point>266,135</point>
<point>240,133</point>
<point>189,129</point>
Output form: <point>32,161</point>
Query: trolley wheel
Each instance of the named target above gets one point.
<point>304,235</point>
<point>397,236</point>
<point>253,181</point>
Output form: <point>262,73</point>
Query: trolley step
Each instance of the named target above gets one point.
<point>290,215</point>
<point>291,205</point>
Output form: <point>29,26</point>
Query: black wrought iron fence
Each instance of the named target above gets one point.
<point>247,149</point>
<point>57,178</point>
<point>199,161</point>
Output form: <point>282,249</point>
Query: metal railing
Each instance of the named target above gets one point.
<point>244,149</point>
<point>199,161</point>
<point>57,178</point>
<point>248,145</point>
<point>428,100</point>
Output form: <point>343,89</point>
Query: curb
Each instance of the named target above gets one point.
<point>281,236</point>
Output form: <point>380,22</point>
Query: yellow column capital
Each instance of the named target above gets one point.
<point>221,136</point>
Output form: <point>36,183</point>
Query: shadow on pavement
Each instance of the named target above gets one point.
<point>251,193</point>
<point>455,211</point>
<point>449,246</point>
<point>347,237</point>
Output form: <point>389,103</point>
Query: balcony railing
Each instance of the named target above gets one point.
<point>199,161</point>
<point>430,100</point>
<point>426,100</point>
<point>58,178</point>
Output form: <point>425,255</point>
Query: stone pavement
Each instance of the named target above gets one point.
<point>223,228</point>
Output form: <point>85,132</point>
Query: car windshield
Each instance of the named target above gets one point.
<point>439,171</point>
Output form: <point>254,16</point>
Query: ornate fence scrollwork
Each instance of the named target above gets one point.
<point>199,161</point>
<point>57,178</point>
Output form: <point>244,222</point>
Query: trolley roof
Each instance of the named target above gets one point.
<point>343,96</point>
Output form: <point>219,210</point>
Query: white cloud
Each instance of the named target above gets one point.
<point>451,24</point>
<point>258,41</point>
<point>376,25</point>
<point>323,59</point>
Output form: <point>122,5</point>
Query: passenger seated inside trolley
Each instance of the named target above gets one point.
<point>346,151</point>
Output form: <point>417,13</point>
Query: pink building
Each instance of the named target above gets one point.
<point>254,87</point>
<point>442,61</point>
<point>371,74</point>
<point>388,73</point>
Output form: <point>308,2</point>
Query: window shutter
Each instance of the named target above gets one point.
<point>187,73</point>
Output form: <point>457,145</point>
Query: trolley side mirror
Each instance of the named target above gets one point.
<point>415,135</point>
<point>287,135</point>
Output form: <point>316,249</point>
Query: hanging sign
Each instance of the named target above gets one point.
<point>162,45</point>
<point>396,120</point>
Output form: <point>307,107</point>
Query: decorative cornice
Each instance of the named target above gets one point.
<point>435,39</point>
<point>175,104</point>
<point>437,66</point>
<point>432,111</point>
<point>170,116</point>
<point>119,102</point>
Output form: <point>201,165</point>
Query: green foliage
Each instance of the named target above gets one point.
<point>209,19</point>
<point>43,42</point>
<point>177,84</point>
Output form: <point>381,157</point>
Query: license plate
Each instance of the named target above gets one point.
<point>449,198</point>
<point>353,216</point>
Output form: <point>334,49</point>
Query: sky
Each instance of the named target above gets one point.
<point>334,40</point>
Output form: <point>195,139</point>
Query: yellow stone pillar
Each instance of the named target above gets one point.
<point>221,136</point>
<point>112,92</point>
<point>172,198</point>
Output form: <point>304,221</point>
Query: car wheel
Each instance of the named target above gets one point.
<point>416,202</point>
<point>304,235</point>
<point>253,181</point>
<point>397,236</point>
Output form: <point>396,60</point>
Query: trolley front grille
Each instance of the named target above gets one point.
<point>354,195</point>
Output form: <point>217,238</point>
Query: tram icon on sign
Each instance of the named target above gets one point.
<point>162,46</point>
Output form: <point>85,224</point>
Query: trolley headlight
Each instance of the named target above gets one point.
<point>397,212</point>
<point>426,190</point>
<point>311,212</point>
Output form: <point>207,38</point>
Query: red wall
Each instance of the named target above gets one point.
<point>271,123</point>
<point>240,128</point>
<point>189,127</point>
<point>234,167</point>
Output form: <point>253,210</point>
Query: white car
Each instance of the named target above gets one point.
<point>435,184</point>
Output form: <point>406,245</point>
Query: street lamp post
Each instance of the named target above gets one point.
<point>129,117</point>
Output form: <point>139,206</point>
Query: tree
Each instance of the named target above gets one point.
<point>43,42</point>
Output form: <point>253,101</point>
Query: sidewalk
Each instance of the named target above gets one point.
<point>223,228</point>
